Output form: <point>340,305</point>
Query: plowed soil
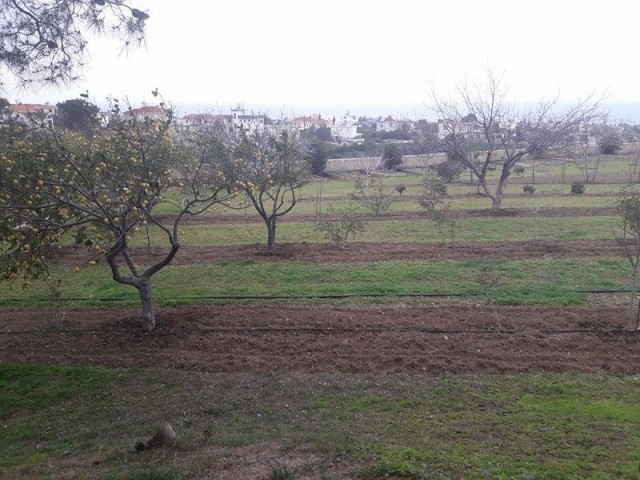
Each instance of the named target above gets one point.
<point>364,252</point>
<point>430,340</point>
<point>326,338</point>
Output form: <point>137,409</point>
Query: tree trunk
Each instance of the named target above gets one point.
<point>502,183</point>
<point>496,200</point>
<point>148,311</point>
<point>271,232</point>
<point>632,300</point>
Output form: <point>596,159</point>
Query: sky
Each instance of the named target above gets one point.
<point>373,57</point>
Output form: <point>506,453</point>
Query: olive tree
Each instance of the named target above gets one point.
<point>270,168</point>
<point>100,190</point>
<point>507,133</point>
<point>44,42</point>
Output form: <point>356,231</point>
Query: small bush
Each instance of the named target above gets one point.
<point>391,156</point>
<point>449,170</point>
<point>530,189</point>
<point>577,188</point>
<point>280,471</point>
<point>377,199</point>
<point>348,224</point>
<point>518,171</point>
<point>400,188</point>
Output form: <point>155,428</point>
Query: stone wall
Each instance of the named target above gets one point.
<point>414,161</point>
<point>364,163</point>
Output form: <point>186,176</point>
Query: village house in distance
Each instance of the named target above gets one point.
<point>348,137</point>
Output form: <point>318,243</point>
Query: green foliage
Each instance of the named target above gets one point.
<point>433,200</point>
<point>55,183</point>
<point>280,471</point>
<point>530,189</point>
<point>405,463</point>
<point>577,188</point>
<point>317,158</point>
<point>339,227</point>
<point>100,190</point>
<point>400,188</point>
<point>518,171</point>
<point>270,168</point>
<point>449,170</point>
<point>376,198</point>
<point>391,156</point>
<point>78,115</point>
<point>45,42</point>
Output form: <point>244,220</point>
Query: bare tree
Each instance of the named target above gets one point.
<point>586,147</point>
<point>507,133</point>
<point>629,238</point>
<point>44,42</point>
<point>369,166</point>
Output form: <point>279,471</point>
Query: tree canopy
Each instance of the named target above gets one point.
<point>101,191</point>
<point>78,115</point>
<point>270,167</point>
<point>44,42</point>
<point>482,128</point>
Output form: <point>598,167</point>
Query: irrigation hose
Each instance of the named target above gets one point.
<point>337,330</point>
<point>296,297</point>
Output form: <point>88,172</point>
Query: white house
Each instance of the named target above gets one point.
<point>345,129</point>
<point>196,121</point>
<point>388,124</point>
<point>248,122</point>
<point>22,112</point>
<point>312,121</point>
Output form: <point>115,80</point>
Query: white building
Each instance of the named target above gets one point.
<point>247,122</point>
<point>24,112</point>
<point>345,129</point>
<point>388,124</point>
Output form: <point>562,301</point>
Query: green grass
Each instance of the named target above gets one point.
<point>481,229</point>
<point>62,422</point>
<point>410,205</point>
<point>522,282</point>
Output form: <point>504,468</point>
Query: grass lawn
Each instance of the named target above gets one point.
<point>61,422</point>
<point>521,282</point>
<point>82,422</point>
<point>481,229</point>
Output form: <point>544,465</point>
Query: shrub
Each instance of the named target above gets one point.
<point>449,170</point>
<point>317,158</point>
<point>577,188</point>
<point>433,200</point>
<point>338,230</point>
<point>391,156</point>
<point>530,189</point>
<point>518,171</point>
<point>377,199</point>
<point>400,188</point>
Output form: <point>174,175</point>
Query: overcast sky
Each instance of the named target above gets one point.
<point>371,56</point>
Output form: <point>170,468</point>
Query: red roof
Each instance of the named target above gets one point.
<point>29,108</point>
<point>310,120</point>
<point>146,110</point>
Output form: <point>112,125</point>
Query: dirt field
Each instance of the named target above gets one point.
<point>325,338</point>
<point>366,252</point>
